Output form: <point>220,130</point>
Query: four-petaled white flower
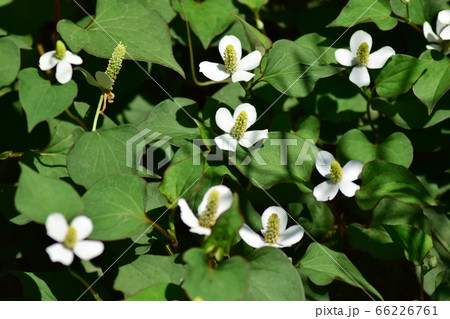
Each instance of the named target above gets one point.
<point>360,58</point>
<point>71,239</point>
<point>63,59</point>
<point>441,39</point>
<point>230,50</point>
<point>339,178</point>
<point>236,127</point>
<point>274,221</point>
<point>217,200</point>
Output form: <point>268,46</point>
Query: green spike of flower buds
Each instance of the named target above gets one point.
<point>208,217</point>
<point>115,63</point>
<point>362,54</point>
<point>240,126</point>
<point>230,59</point>
<point>336,172</point>
<point>71,238</point>
<point>60,50</point>
<point>273,230</point>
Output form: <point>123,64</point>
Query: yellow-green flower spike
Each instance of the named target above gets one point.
<point>208,218</point>
<point>336,172</point>
<point>240,126</point>
<point>273,230</point>
<point>115,63</point>
<point>230,58</point>
<point>362,54</point>
<point>60,50</point>
<point>71,238</point>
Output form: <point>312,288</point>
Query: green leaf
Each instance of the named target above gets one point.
<point>399,74</point>
<point>183,178</point>
<point>284,157</point>
<point>321,46</point>
<point>224,231</point>
<point>375,241</point>
<point>381,179</point>
<point>207,18</point>
<point>396,148</point>
<point>10,57</point>
<point>103,153</point>
<point>308,127</point>
<point>103,80</point>
<point>258,41</point>
<point>440,226</point>
<point>229,281</point>
<point>415,242</point>
<point>294,70</point>
<point>34,287</point>
<point>116,205</point>
<point>409,113</point>
<point>323,265</point>
<point>163,7</point>
<point>146,271</point>
<point>40,99</point>
<point>38,196</point>
<point>160,292</point>
<point>360,11</point>
<point>419,10</point>
<point>154,198</point>
<point>131,23</point>
<point>273,277</point>
<point>174,120</point>
<point>435,82</point>
<point>392,212</point>
<point>254,4</point>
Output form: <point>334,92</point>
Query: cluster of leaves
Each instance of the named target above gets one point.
<point>391,241</point>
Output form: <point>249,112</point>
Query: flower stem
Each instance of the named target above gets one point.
<point>97,113</point>
<point>172,240</point>
<point>191,54</point>
<point>86,284</point>
<point>76,119</point>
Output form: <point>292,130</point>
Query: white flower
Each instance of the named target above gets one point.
<point>71,239</point>
<point>63,59</point>
<point>236,127</point>
<point>339,178</point>
<point>360,58</point>
<point>274,221</point>
<point>217,200</point>
<point>441,39</point>
<point>231,52</point>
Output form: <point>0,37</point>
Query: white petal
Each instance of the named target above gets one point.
<point>83,225</point>
<point>378,59</point>
<point>429,34</point>
<point>56,226</point>
<point>249,109</point>
<point>280,212</point>
<point>213,71</point>
<point>225,199</point>
<point>358,38</point>
<point>73,58</point>
<point>323,163</point>
<point>58,253</point>
<point>226,142</point>
<point>241,76</point>
<point>88,249</point>
<point>235,42</point>
<point>201,230</point>
<point>348,188</point>
<point>434,47</point>
<point>63,72</point>
<point>48,60</point>
<point>251,137</point>
<point>251,238</point>
<point>443,19</point>
<point>360,76</point>
<point>187,216</point>
<point>345,57</point>
<point>250,62</point>
<point>352,170</point>
<point>291,236</point>
<point>445,34</point>
<point>224,120</point>
<point>325,191</point>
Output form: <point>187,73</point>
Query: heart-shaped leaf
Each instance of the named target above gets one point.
<point>10,57</point>
<point>40,99</point>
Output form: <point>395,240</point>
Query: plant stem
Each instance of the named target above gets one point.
<point>191,54</point>
<point>172,240</point>
<point>97,113</point>
<point>421,281</point>
<point>86,284</point>
<point>76,119</point>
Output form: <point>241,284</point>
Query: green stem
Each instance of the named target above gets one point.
<point>97,113</point>
<point>76,119</point>
<point>86,284</point>
<point>421,282</point>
